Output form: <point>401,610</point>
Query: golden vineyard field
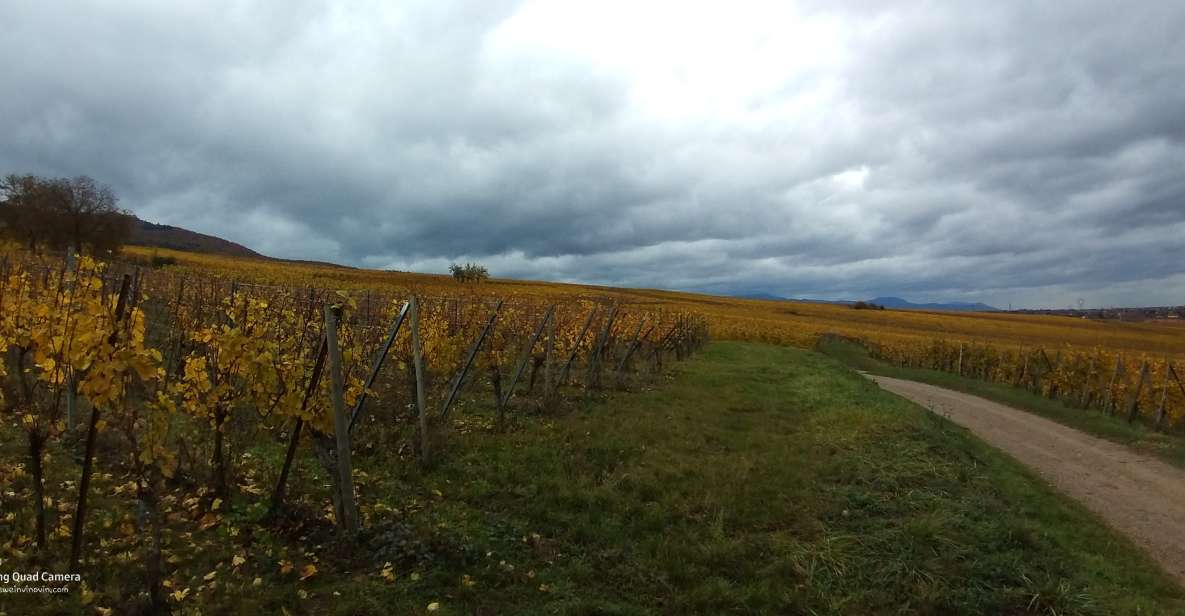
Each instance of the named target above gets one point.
<point>165,368</point>
<point>1082,354</point>
<point>158,359</point>
<point>792,323</point>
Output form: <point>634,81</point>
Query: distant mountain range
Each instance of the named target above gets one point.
<point>897,302</point>
<point>887,302</point>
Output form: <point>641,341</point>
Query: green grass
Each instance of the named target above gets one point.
<point>1167,446</point>
<point>753,480</point>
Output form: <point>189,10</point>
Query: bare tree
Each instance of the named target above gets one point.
<point>61,212</point>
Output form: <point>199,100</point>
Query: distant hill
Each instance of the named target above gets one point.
<point>887,302</point>
<point>897,302</point>
<point>145,233</point>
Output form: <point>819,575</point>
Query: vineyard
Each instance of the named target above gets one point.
<point>166,378</point>
<point>1136,387</point>
<point>153,402</point>
<point>1123,368</point>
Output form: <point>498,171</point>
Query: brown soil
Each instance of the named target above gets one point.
<point>1141,497</point>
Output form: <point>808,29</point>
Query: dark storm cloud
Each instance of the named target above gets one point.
<point>1004,152</point>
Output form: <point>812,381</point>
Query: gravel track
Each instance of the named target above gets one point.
<point>1139,496</point>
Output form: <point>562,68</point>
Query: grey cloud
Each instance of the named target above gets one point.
<point>1002,152</point>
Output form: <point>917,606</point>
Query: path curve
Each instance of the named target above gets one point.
<point>1140,496</point>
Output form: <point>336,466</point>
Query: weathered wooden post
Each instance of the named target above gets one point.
<point>959,365</point>
<point>341,422</point>
<point>421,395</point>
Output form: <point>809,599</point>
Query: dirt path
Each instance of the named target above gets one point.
<point>1139,496</point>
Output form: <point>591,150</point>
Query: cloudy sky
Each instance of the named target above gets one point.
<point>1009,152</point>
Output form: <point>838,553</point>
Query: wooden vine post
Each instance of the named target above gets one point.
<point>421,396</point>
<point>341,422</point>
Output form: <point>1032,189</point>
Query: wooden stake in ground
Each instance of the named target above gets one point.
<point>421,396</point>
<point>959,365</point>
<point>341,422</point>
